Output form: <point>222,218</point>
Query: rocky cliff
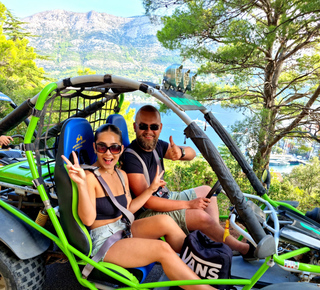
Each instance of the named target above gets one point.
<point>99,41</point>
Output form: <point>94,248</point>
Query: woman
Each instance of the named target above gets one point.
<point>144,247</point>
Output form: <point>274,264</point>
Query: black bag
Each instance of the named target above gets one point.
<point>208,259</point>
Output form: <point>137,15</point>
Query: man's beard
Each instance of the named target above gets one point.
<point>147,145</point>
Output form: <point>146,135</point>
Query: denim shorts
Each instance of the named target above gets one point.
<point>101,234</point>
<point>179,216</point>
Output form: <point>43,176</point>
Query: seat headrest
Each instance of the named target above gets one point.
<point>77,135</point>
<point>120,122</point>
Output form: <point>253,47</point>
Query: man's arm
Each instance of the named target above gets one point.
<point>138,184</point>
<point>174,152</point>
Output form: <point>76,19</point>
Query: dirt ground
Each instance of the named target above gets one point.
<point>233,232</point>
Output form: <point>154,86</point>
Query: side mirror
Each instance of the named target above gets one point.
<point>266,178</point>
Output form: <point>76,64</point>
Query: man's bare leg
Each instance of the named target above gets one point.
<point>212,208</point>
<point>198,219</point>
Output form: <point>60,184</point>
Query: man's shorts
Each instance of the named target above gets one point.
<point>178,215</point>
<point>101,234</point>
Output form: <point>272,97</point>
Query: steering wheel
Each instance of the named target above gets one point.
<point>19,136</point>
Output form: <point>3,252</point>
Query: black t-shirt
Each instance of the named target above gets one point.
<point>131,164</point>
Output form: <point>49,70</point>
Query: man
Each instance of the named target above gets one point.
<point>189,208</point>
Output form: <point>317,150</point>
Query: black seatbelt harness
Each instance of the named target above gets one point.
<point>162,191</point>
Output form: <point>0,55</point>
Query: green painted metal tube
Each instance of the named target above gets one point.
<point>193,282</point>
<point>39,105</point>
<point>255,278</point>
<point>121,100</point>
<point>277,203</point>
<point>283,261</point>
<point>102,268</point>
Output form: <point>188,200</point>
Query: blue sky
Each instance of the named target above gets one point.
<point>124,8</point>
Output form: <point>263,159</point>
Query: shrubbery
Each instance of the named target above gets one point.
<point>302,184</point>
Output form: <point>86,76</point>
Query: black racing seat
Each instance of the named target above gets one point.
<point>76,135</point>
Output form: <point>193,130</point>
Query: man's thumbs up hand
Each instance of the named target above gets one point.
<point>174,151</point>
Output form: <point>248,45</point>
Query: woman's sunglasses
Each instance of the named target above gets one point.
<point>153,127</point>
<point>103,148</point>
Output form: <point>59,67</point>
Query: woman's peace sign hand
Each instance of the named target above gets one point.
<point>76,173</point>
<point>157,181</point>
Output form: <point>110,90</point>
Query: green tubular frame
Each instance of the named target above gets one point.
<point>121,100</point>
<point>127,279</point>
<point>278,203</point>
<point>282,259</point>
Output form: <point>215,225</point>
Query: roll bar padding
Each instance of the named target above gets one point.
<point>211,154</point>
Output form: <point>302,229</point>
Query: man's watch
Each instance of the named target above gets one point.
<point>183,152</point>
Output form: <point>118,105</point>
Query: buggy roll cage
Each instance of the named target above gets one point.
<point>110,88</point>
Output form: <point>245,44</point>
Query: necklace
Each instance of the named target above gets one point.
<point>108,172</point>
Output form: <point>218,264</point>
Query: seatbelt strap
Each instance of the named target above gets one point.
<point>163,193</point>
<point>102,251</point>
<point>106,187</point>
<point>156,156</point>
<point>144,167</point>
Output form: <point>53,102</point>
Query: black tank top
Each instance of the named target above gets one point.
<point>106,209</point>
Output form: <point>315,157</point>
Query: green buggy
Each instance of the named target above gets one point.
<point>38,202</point>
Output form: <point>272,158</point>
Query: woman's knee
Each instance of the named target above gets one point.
<point>166,225</point>
<point>164,221</point>
<point>165,250</point>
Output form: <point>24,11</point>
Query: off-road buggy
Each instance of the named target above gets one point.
<point>38,217</point>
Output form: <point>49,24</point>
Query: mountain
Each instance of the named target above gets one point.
<point>99,41</point>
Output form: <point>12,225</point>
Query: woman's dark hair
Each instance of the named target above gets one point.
<point>107,128</point>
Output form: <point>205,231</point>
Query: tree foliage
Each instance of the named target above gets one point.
<point>261,55</point>
<point>189,174</point>
<point>19,74</point>
<point>307,177</point>
<point>302,185</point>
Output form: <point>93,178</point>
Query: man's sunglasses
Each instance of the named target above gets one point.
<point>153,127</point>
<point>103,148</point>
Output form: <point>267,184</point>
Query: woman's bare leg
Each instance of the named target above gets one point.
<point>137,252</point>
<point>159,226</point>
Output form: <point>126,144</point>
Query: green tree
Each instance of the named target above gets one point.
<point>302,185</point>
<point>303,150</point>
<point>260,55</point>
<point>13,27</point>
<point>277,150</point>
<point>307,177</point>
<point>86,71</point>
<point>129,117</point>
<point>187,174</point>
<point>285,190</point>
<point>19,74</point>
